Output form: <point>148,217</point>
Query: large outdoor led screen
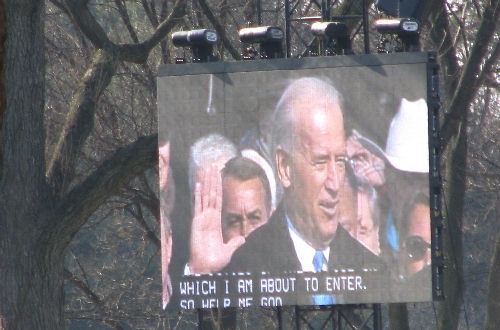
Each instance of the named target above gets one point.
<point>295,181</point>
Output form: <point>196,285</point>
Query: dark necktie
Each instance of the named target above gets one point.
<point>319,261</point>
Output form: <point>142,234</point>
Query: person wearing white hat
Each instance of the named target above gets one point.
<point>407,153</point>
<point>407,146</point>
<point>407,150</point>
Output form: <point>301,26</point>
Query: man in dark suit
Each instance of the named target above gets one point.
<point>310,154</point>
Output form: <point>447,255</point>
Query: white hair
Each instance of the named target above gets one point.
<point>207,150</point>
<point>309,89</point>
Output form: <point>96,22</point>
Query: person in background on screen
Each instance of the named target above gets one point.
<point>256,145</point>
<point>407,158</point>
<point>210,150</point>
<point>167,196</point>
<point>407,152</point>
<point>245,207</point>
<point>409,196</point>
<point>208,251</point>
<point>417,243</point>
<point>246,201</point>
<point>266,167</point>
<point>359,199</point>
<point>411,212</point>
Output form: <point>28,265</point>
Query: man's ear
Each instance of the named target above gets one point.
<point>284,167</point>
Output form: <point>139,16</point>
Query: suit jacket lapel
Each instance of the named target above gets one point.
<point>285,257</point>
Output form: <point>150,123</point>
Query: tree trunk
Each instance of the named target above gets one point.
<point>493,305</point>
<point>449,309</point>
<point>3,35</point>
<point>31,285</point>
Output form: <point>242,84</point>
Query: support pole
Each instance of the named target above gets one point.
<point>377,317</point>
<point>297,317</point>
<point>280,317</point>
<point>366,37</point>
<point>259,12</point>
<point>200,319</point>
<point>287,28</point>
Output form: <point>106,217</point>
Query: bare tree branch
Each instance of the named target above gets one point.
<point>163,44</point>
<point>75,208</point>
<point>221,31</point>
<point>152,18</point>
<point>85,21</point>
<point>98,303</point>
<point>136,211</point>
<point>80,120</point>
<point>147,197</point>
<point>461,29</point>
<point>489,66</point>
<point>126,20</point>
<point>442,39</point>
<point>467,86</point>
<point>478,8</point>
<point>61,6</point>
<point>139,53</point>
<point>136,53</point>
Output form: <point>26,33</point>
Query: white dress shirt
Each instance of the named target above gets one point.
<point>305,252</point>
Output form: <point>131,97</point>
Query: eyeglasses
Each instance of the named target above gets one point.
<point>416,248</point>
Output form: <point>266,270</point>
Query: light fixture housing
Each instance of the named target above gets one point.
<point>270,39</point>
<point>397,25</point>
<point>259,34</point>
<point>335,35</point>
<point>406,29</point>
<point>201,42</point>
<point>200,37</point>
<point>329,29</point>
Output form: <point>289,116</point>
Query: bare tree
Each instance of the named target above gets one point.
<point>464,36</point>
<point>461,87</point>
<point>41,207</point>
<point>56,177</point>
